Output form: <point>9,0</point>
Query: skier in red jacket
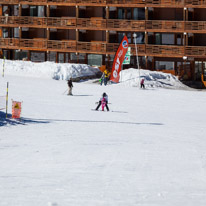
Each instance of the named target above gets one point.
<point>142,83</point>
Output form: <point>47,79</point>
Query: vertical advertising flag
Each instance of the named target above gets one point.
<point>118,60</point>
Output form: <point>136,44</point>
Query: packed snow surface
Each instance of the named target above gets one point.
<point>148,150</point>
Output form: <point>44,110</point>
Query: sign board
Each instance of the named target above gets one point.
<point>16,109</point>
<point>127,56</point>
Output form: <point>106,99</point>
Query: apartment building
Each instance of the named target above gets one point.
<point>170,34</point>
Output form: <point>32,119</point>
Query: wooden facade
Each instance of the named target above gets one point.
<point>171,34</point>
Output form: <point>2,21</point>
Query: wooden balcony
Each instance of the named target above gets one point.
<point>32,1</point>
<point>165,26</point>
<point>195,26</point>
<point>118,3</point>
<point>195,3</point>
<point>176,26</point>
<point>9,1</point>
<point>33,44</point>
<point>128,25</point>
<point>95,23</point>
<point>114,3</point>
<point>55,2</point>
<point>69,45</point>
<point>112,48</point>
<point>8,43</point>
<point>164,51</point>
<point>63,22</point>
<point>126,3</point>
<point>98,23</point>
<point>165,3</point>
<point>195,51</point>
<point>91,47</point>
<point>37,22</point>
<point>141,48</point>
<point>91,2</point>
<point>96,47</point>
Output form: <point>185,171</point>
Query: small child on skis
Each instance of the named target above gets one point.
<point>70,85</point>
<point>103,101</point>
<point>142,83</point>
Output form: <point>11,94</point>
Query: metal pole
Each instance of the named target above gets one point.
<point>7,94</point>
<point>121,72</point>
<point>137,55</point>
<point>3,67</point>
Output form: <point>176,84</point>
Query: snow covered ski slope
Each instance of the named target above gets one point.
<point>62,153</point>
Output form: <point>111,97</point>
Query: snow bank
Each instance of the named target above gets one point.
<point>60,71</point>
<point>64,71</point>
<point>130,77</point>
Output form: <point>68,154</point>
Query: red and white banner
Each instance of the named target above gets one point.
<point>118,60</point>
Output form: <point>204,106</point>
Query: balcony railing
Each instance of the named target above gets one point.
<point>65,46</point>
<point>162,50</point>
<point>103,24</point>
<point>61,45</point>
<point>195,26</point>
<point>195,51</point>
<point>127,3</point>
<point>9,43</point>
<point>66,22</point>
<point>53,1</point>
<point>129,25</point>
<point>91,47</point>
<point>34,44</point>
<point>70,22</point>
<point>95,22</point>
<point>195,3</point>
<point>61,1</point>
<point>165,3</point>
<point>91,1</point>
<point>9,1</point>
<point>165,26</point>
<point>26,21</point>
<point>101,47</point>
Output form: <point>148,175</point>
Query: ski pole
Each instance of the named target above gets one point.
<point>65,91</point>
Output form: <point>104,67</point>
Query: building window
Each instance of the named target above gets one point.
<point>20,55</point>
<point>163,65</point>
<point>51,56</point>
<point>94,59</point>
<point>168,39</point>
<point>139,38</point>
<point>37,56</point>
<point>139,14</point>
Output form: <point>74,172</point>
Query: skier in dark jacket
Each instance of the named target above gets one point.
<point>70,85</point>
<point>103,101</point>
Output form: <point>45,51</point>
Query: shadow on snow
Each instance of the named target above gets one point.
<point>98,121</point>
<point>24,121</point>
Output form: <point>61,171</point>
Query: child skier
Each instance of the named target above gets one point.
<point>142,83</point>
<point>103,101</point>
<point>70,85</point>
